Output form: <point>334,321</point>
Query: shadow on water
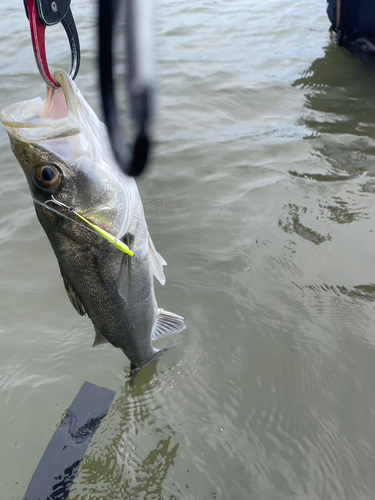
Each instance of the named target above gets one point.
<point>131,454</point>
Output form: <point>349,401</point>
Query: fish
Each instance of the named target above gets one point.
<point>76,184</point>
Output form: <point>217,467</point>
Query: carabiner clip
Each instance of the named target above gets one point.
<point>132,159</point>
<point>42,13</point>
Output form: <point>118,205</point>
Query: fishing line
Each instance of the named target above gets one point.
<point>105,234</point>
<point>62,215</point>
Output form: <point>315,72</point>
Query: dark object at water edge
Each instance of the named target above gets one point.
<point>59,464</point>
<point>354,22</point>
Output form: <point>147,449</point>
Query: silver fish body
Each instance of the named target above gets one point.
<point>64,151</point>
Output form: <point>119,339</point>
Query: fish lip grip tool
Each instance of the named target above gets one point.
<point>43,13</point>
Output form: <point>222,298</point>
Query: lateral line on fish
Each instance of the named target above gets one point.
<point>120,245</point>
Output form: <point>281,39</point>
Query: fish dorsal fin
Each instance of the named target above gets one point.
<point>166,324</point>
<point>73,297</point>
<point>99,339</point>
<point>157,262</point>
<point>125,268</point>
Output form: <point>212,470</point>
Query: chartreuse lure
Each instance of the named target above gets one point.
<point>118,243</point>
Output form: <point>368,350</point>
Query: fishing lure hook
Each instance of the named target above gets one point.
<point>120,245</point>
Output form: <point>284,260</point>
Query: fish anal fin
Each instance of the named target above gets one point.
<point>99,339</point>
<point>167,323</point>
<point>73,296</point>
<point>157,262</point>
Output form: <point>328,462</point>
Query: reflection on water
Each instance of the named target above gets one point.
<point>131,454</point>
<point>340,99</point>
<point>292,224</point>
<point>340,121</point>
<point>340,118</point>
<point>363,292</point>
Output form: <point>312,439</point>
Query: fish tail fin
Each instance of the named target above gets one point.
<point>167,323</point>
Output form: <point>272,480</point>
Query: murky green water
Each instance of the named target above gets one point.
<point>261,199</point>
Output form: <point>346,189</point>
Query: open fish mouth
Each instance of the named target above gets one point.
<point>37,120</point>
<point>62,123</point>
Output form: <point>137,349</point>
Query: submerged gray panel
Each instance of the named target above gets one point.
<point>58,467</point>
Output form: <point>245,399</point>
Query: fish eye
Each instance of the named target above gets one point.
<point>47,177</point>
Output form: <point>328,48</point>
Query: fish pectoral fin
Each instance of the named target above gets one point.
<point>166,324</point>
<point>99,339</point>
<point>124,277</point>
<point>125,268</point>
<point>73,297</point>
<point>157,262</point>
